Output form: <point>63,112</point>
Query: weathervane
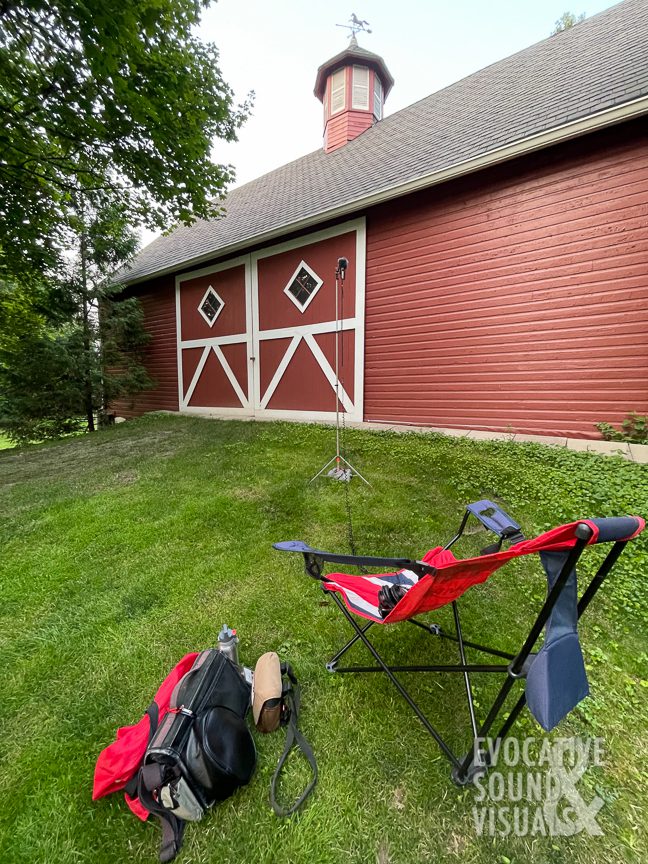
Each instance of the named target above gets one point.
<point>355,25</point>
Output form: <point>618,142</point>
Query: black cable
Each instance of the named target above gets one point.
<point>347,483</point>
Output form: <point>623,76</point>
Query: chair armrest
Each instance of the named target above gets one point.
<point>496,520</point>
<point>613,529</point>
<point>417,567</point>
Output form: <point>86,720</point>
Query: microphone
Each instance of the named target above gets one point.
<point>342,265</point>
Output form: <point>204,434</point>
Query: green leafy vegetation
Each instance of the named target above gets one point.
<point>633,429</point>
<point>120,98</point>
<point>72,343</point>
<point>124,550</point>
<point>566,21</point>
<point>109,116</point>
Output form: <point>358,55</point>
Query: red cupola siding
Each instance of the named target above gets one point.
<point>353,87</point>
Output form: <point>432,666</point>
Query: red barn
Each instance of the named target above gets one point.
<point>497,238</point>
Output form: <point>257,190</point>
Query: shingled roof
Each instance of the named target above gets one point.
<point>584,78</point>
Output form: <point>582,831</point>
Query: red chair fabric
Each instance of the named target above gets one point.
<point>452,577</point>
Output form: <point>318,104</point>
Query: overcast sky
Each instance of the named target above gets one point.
<point>275,46</point>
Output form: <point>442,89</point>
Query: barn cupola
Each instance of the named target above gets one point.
<point>353,87</point>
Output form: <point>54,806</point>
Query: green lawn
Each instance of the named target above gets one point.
<point>124,550</point>
<point>5,443</point>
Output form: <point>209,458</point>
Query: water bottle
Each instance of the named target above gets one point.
<point>228,644</point>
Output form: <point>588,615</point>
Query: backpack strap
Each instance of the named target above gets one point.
<point>153,713</point>
<point>141,786</point>
<point>172,834</point>
<point>151,777</point>
<point>291,704</point>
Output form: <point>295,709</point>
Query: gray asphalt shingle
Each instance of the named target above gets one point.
<point>598,64</point>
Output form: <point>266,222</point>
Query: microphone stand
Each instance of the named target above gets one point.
<point>342,470</point>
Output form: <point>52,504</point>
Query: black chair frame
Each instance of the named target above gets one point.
<point>475,761</point>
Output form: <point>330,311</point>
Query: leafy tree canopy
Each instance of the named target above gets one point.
<point>71,344</point>
<point>567,20</point>
<point>105,96</point>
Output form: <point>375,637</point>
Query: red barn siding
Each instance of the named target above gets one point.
<point>158,301</point>
<point>516,300</point>
<point>346,126</point>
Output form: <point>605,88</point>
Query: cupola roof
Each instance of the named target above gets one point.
<point>353,53</point>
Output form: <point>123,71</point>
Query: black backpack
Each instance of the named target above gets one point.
<point>201,752</point>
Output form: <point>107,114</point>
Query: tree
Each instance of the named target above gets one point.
<point>101,97</point>
<point>71,345</point>
<point>567,20</point>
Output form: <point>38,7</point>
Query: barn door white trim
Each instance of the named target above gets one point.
<point>212,345</point>
<point>305,332</point>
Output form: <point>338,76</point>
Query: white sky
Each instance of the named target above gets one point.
<point>275,46</point>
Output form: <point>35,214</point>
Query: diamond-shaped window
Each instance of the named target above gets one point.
<point>303,286</point>
<point>210,306</point>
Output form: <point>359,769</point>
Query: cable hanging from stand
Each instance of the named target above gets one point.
<point>342,469</point>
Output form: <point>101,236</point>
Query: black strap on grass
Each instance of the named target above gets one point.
<point>153,713</point>
<point>151,777</point>
<point>141,786</point>
<point>291,704</point>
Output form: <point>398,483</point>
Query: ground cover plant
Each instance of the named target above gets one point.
<point>124,550</point>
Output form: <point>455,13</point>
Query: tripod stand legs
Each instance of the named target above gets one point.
<point>339,472</point>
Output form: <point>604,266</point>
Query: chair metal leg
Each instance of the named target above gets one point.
<point>333,661</point>
<point>517,666</point>
<point>510,720</point>
<point>436,630</point>
<point>403,692</point>
<point>597,580</point>
<point>462,654</point>
<point>588,594</point>
<point>457,667</point>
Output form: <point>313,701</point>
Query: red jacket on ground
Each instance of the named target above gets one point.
<point>121,760</point>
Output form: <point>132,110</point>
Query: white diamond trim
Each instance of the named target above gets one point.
<point>319,281</point>
<point>209,291</point>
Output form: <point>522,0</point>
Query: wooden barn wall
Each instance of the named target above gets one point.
<point>158,302</point>
<point>515,300</point>
<point>345,127</point>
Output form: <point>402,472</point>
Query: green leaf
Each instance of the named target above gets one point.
<point>121,97</point>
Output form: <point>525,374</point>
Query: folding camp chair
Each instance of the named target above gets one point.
<point>554,677</point>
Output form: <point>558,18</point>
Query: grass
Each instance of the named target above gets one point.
<point>124,550</point>
<point>5,443</point>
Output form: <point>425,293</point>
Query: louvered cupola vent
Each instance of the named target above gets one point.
<point>353,87</point>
